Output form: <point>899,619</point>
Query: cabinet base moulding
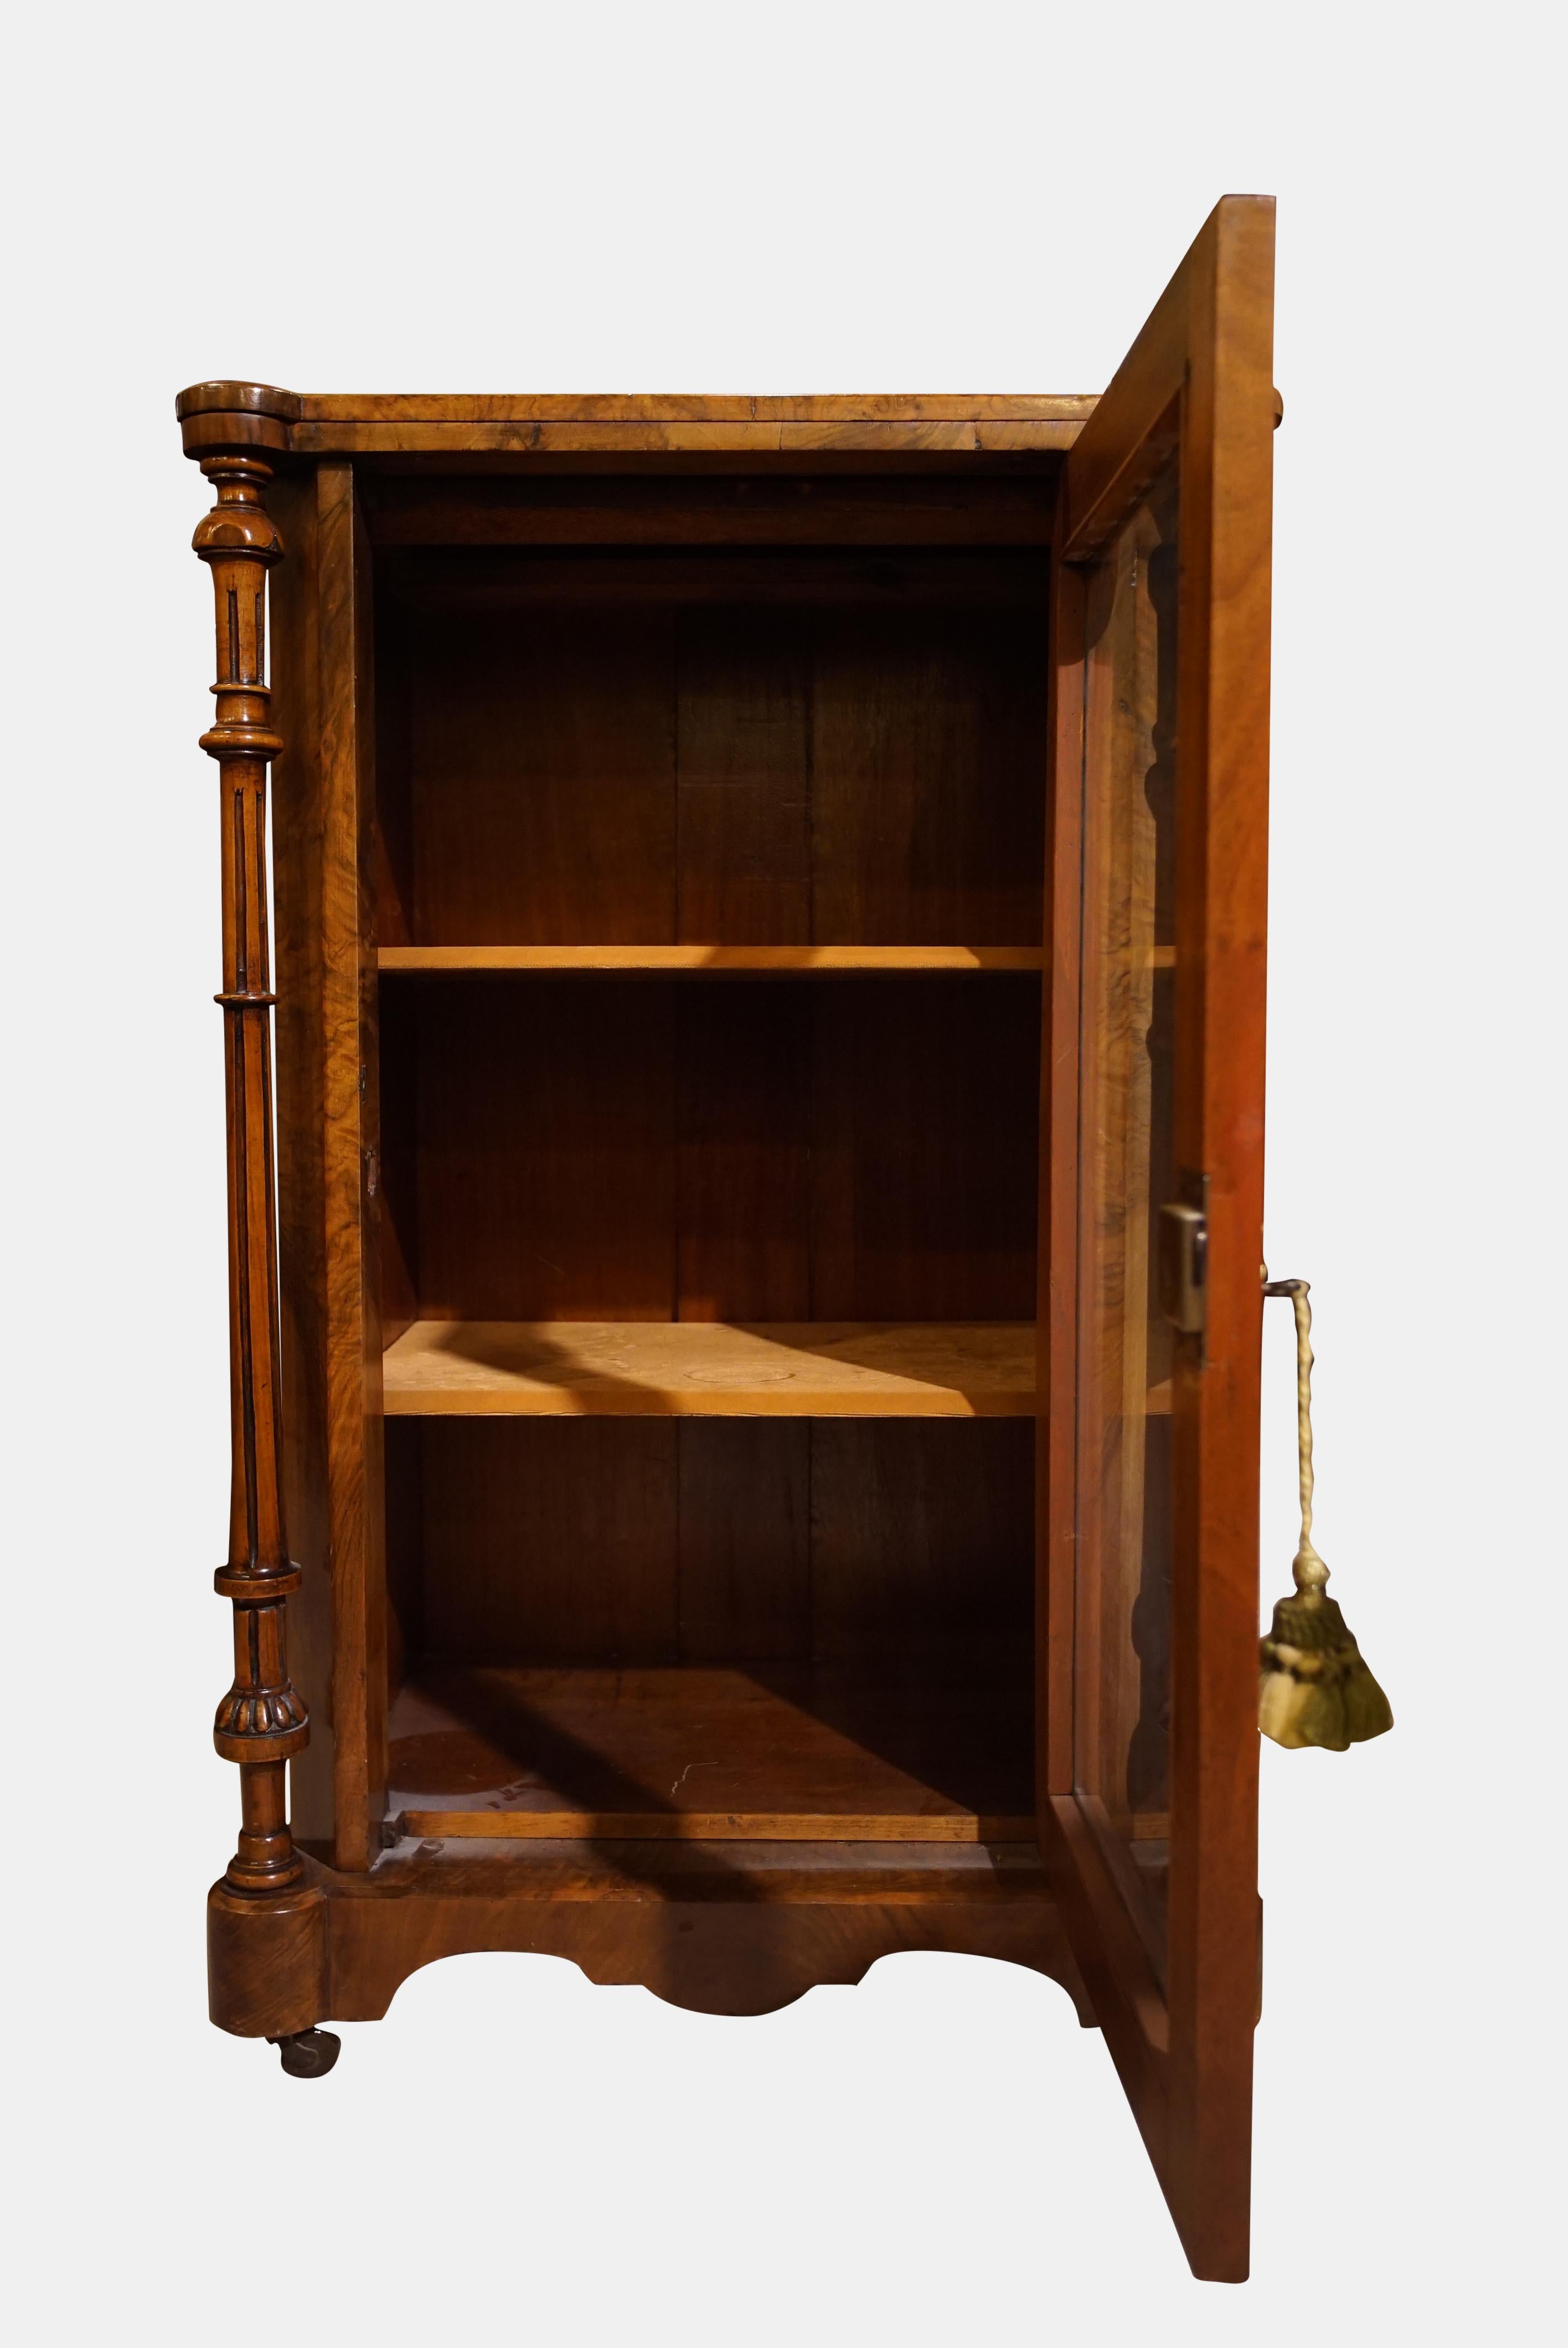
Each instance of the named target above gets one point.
<point>738,1929</point>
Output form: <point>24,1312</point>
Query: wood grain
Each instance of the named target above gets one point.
<point>710,1370</point>
<point>266,1960</point>
<point>352,1149</point>
<point>866,439</point>
<point>496,407</point>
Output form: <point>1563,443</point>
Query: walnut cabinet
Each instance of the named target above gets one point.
<point>745,1283</point>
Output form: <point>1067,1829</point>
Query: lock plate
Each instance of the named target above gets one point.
<point>1183,1266</point>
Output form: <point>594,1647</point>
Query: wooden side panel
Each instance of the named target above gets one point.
<point>328,1154</point>
<point>351,1142</point>
<point>294,612</point>
<point>1056,1322</point>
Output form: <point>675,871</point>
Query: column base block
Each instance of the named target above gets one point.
<point>266,1960</point>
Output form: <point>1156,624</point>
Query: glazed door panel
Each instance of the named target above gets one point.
<point>1154,1201</point>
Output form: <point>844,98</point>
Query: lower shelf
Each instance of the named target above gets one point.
<point>791,1753</point>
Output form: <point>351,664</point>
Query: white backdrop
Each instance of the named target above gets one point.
<point>728,199</point>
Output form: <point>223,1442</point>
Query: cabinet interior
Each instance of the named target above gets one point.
<point>708,882</point>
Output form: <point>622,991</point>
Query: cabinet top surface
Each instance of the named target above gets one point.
<point>224,414</point>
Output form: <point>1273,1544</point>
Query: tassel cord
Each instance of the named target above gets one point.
<point>1310,1573</point>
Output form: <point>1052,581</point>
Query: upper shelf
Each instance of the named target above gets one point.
<point>707,1369</point>
<point>712,1369</point>
<point>707,958</point>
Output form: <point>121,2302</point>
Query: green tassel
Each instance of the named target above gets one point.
<point>1313,1688</point>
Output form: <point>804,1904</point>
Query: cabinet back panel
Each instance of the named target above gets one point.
<point>967,508</point>
<point>613,1148</point>
<point>543,771</point>
<point>550,1544</point>
<point>836,749</point>
<point>546,1150</point>
<point>888,1545</point>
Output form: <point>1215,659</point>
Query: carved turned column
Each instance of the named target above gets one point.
<point>266,1925</point>
<point>261,1721</point>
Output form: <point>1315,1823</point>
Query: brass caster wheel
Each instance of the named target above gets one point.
<point>307,2054</point>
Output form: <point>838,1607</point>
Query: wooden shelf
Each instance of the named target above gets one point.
<point>713,1369</point>
<point>716,960</point>
<point>705,1369</point>
<point>766,1753</point>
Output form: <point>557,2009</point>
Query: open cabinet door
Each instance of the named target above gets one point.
<point>1152,1315</point>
